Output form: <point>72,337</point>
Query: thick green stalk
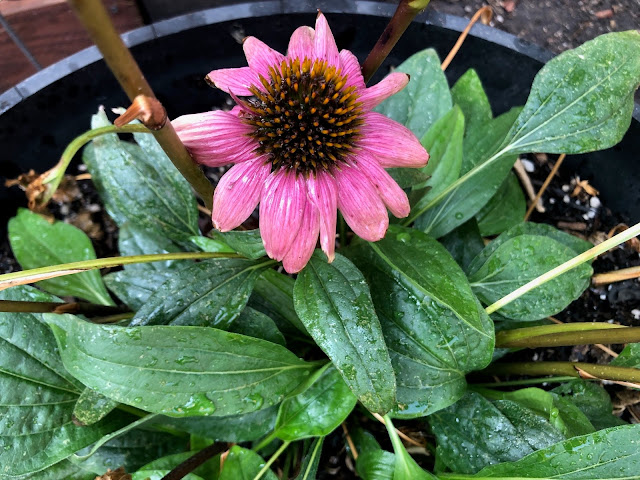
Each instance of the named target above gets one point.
<point>571,369</point>
<point>566,335</point>
<point>524,381</point>
<point>44,273</point>
<point>93,15</point>
<point>566,266</point>
<point>402,18</point>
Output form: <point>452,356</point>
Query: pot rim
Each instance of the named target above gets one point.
<point>132,38</point>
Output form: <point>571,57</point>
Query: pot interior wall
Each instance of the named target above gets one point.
<point>34,133</point>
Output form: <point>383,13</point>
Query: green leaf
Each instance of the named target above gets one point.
<point>178,371</point>
<point>474,433</point>
<point>592,399</point>
<point>207,244</point>
<point>425,99</point>
<point>581,100</point>
<point>468,94</point>
<point>435,328</point>
<point>482,177</point>
<point>140,185</point>
<point>505,209</point>
<point>37,243</point>
<point>521,259</point>
<point>443,141</point>
<point>376,464</point>
<point>606,454</point>
<point>246,427</point>
<point>310,459</point>
<point>159,475</point>
<point>208,293</point>
<point>629,357</point>
<point>245,242</point>
<point>405,467</point>
<point>133,240</point>
<point>133,287</point>
<point>92,407</point>
<point>273,296</point>
<point>243,464</point>
<point>37,395</point>
<point>334,303</point>
<point>253,323</point>
<point>318,410</point>
<point>407,177</point>
<point>464,243</point>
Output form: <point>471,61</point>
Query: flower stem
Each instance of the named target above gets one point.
<point>273,458</point>
<point>570,369</point>
<point>402,18</point>
<point>93,15</point>
<point>193,462</point>
<point>566,266</point>
<point>567,334</point>
<point>36,274</point>
<point>79,308</point>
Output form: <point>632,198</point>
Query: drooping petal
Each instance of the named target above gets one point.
<point>390,192</point>
<point>216,138</point>
<point>238,193</point>
<point>394,145</point>
<point>301,44</point>
<point>260,56</point>
<point>282,206</point>
<point>235,80</point>
<point>305,241</point>
<point>325,44</point>
<point>360,204</point>
<point>323,193</point>
<point>390,85</point>
<point>351,67</point>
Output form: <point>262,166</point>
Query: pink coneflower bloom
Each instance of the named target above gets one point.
<point>305,144</point>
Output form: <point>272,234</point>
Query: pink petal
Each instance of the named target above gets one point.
<point>360,204</point>
<point>238,193</point>
<point>390,192</point>
<point>283,202</point>
<point>216,138</point>
<point>301,44</point>
<point>351,67</point>
<point>323,193</point>
<point>325,44</point>
<point>235,80</point>
<point>260,56</point>
<point>393,145</point>
<point>305,241</point>
<point>390,85</point>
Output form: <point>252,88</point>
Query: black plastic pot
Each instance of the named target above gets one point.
<point>41,115</point>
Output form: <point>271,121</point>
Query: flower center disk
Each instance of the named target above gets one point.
<point>305,117</point>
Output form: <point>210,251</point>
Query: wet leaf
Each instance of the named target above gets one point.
<point>334,304</point>
<point>139,184</point>
<point>92,407</point>
<point>37,395</point>
<point>485,175</point>
<point>443,141</point>
<point>244,464</point>
<point>376,464</point>
<point>133,240</point>
<point>159,475</point>
<point>425,99</point>
<point>207,244</point>
<point>464,243</point>
<point>407,177</point>
<point>208,293</point>
<point>178,371</point>
<point>256,324</point>
<point>318,410</point>
<point>245,242</point>
<point>581,100</point>
<point>592,399</point>
<point>468,94</point>
<point>606,454</point>
<point>505,209</point>
<point>37,243</point>
<point>133,287</point>
<point>521,259</point>
<point>475,432</point>
<point>629,357</point>
<point>434,326</point>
